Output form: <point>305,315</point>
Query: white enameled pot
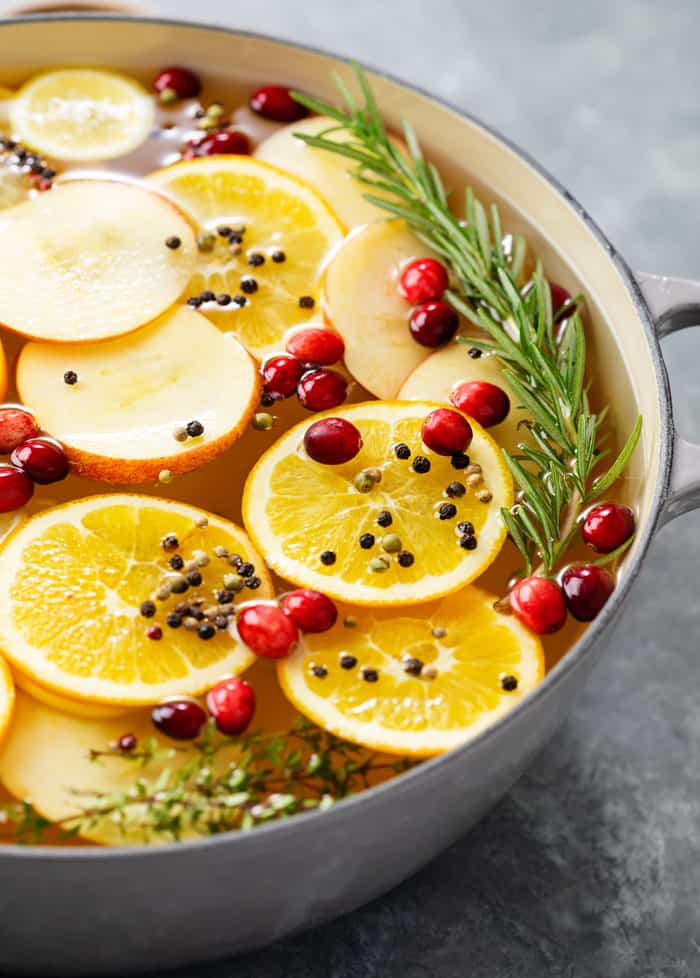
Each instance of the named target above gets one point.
<point>113,911</point>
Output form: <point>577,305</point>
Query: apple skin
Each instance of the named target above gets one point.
<point>438,375</point>
<point>117,422</point>
<point>361,300</point>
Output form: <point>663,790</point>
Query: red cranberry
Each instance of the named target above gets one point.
<point>332,441</point>
<point>183,82</point>
<point>267,631</point>
<point>232,704</point>
<point>539,604</point>
<point>608,526</point>
<point>433,324</point>
<point>486,403</point>
<point>42,459</point>
<point>281,374</point>
<point>127,743</point>
<point>560,296</point>
<point>446,432</point>
<point>16,488</point>
<point>586,590</point>
<point>316,345</point>
<point>275,102</point>
<point>321,390</point>
<point>224,143</point>
<point>16,426</point>
<point>423,280</point>
<point>311,611</point>
<point>179,719</point>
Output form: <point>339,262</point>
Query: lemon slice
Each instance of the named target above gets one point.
<point>296,509</point>
<point>417,682</point>
<point>7,697</point>
<point>80,114</point>
<point>280,214</point>
<point>73,579</point>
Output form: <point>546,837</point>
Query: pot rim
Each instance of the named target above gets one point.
<point>593,632</point>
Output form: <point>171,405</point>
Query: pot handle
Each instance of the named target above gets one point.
<point>675,304</point>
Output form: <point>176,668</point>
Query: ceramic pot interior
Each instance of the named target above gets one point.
<point>627,378</point>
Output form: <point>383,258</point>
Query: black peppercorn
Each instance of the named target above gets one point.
<point>173,620</point>
<point>402,451</point>
<point>249,285</point>
<point>246,570</point>
<point>406,558</point>
<point>467,542</point>
<point>206,631</point>
<point>509,683</point>
<point>194,578</point>
<point>307,302</point>
<point>385,518</point>
<point>173,242</point>
<point>456,490</point>
<point>176,562</point>
<point>256,259</point>
<point>447,511</point>
<point>421,464</point>
<point>195,429</point>
<point>70,377</point>
<point>328,557</point>
<point>319,671</point>
<point>474,352</point>
<point>413,666</point>
<point>347,661</point>
<point>148,609</point>
<point>370,675</point>
<point>459,460</point>
<point>367,541</point>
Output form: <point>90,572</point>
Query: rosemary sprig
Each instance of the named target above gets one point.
<point>218,784</point>
<point>558,467</point>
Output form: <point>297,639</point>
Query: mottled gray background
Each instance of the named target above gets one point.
<point>590,867</point>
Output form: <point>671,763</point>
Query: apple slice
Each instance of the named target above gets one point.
<point>362,301</point>
<point>88,260</point>
<point>118,420</point>
<point>442,371</point>
<point>46,755</point>
<point>328,174</point>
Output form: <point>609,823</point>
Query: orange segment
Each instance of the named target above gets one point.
<point>74,578</point>
<point>295,509</point>
<point>279,213</point>
<point>462,649</point>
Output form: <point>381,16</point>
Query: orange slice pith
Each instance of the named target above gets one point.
<point>295,509</point>
<point>464,649</point>
<point>92,562</point>
<point>7,697</point>
<point>279,213</point>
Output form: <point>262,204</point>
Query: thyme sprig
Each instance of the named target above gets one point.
<point>214,785</point>
<point>557,469</point>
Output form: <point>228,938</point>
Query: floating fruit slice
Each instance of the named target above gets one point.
<point>63,704</point>
<point>287,225</point>
<point>118,419</point>
<point>7,698</point>
<point>415,683</point>
<point>329,174</point>
<point>435,379</point>
<point>362,301</point>
<point>14,187</point>
<point>80,114</point>
<point>309,518</point>
<point>74,578</point>
<point>88,260</point>
<point>46,756</point>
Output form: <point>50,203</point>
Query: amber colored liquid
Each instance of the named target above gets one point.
<point>218,486</point>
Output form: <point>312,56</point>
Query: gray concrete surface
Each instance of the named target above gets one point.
<point>591,867</point>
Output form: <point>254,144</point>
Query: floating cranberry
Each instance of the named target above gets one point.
<point>224,143</point>
<point>539,604</point>
<point>16,426</point>
<point>42,459</point>
<point>586,589</point>
<point>275,102</point>
<point>281,374</point>
<point>332,441</point>
<point>423,280</point>
<point>608,526</point>
<point>232,704</point>
<point>316,344</point>
<point>446,432</point>
<point>311,611</point>
<point>179,718</point>
<point>321,390</point>
<point>433,324</point>
<point>560,297</point>
<point>183,82</point>
<point>486,403</point>
<point>16,488</point>
<point>267,631</point>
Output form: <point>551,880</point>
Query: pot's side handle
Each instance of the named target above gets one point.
<point>675,304</point>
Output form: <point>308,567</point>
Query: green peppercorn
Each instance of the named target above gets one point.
<point>263,421</point>
<point>379,564</point>
<point>391,543</point>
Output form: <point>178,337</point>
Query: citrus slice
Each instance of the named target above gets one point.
<point>282,217</point>
<point>80,114</point>
<point>73,579</point>
<point>14,187</point>
<point>118,421</point>
<point>297,510</point>
<point>417,682</point>
<point>101,264</point>
<point>7,698</point>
